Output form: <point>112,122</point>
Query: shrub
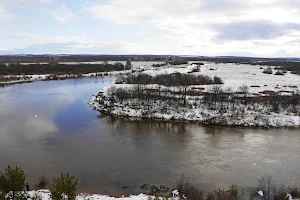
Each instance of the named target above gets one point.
<point>279,73</point>
<point>12,182</point>
<point>128,65</point>
<point>64,187</point>
<point>267,186</point>
<point>186,188</point>
<point>217,80</point>
<point>42,182</point>
<point>268,71</point>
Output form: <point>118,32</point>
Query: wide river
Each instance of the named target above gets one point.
<point>47,127</point>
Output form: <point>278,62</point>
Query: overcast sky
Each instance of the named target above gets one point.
<point>266,28</point>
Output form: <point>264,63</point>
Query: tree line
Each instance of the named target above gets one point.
<point>178,80</point>
<point>215,98</point>
<point>294,67</point>
<point>174,79</point>
<point>30,69</point>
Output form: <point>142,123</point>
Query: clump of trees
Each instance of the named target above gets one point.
<point>294,67</point>
<point>175,79</point>
<point>143,91</point>
<point>178,62</point>
<point>12,185</point>
<point>160,65</point>
<point>268,71</point>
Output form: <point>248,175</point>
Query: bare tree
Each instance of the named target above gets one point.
<point>216,90</point>
<point>244,89</point>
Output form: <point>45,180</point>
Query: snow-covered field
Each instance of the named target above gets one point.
<point>235,76</point>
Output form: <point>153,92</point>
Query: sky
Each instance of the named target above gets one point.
<point>262,28</point>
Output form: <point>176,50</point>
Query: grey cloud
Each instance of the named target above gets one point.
<point>253,30</point>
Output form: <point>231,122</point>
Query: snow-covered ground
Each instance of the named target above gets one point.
<point>235,76</point>
<point>45,195</point>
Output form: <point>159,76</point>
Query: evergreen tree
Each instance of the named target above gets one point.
<point>12,183</point>
<point>64,187</point>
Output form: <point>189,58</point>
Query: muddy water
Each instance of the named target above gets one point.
<point>47,127</point>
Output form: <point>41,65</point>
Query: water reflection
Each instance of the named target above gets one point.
<point>147,125</point>
<point>75,115</point>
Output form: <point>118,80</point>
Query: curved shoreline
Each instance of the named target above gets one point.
<point>52,77</point>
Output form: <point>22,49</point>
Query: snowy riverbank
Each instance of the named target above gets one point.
<point>237,116</point>
<point>9,80</point>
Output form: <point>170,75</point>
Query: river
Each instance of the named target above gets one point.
<point>47,127</point>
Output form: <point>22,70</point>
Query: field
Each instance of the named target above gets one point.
<point>235,76</point>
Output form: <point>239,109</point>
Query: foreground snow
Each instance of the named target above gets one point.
<point>45,195</point>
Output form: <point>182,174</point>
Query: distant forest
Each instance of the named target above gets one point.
<point>17,69</point>
<point>294,67</point>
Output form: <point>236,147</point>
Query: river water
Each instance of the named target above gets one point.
<point>47,127</point>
